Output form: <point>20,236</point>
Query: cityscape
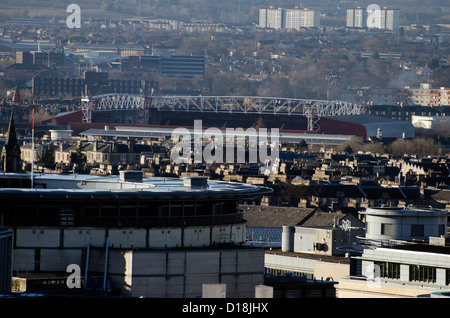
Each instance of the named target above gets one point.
<point>253,150</point>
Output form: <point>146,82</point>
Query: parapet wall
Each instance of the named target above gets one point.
<point>200,236</point>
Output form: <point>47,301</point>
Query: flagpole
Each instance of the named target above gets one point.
<point>32,148</point>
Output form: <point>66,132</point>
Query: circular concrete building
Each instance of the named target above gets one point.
<point>160,237</point>
<point>404,223</point>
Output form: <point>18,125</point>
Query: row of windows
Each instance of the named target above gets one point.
<point>416,230</point>
<point>388,270</point>
<point>283,272</point>
<point>417,273</point>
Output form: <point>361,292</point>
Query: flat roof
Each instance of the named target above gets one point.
<point>161,132</point>
<point>60,184</point>
<point>405,211</point>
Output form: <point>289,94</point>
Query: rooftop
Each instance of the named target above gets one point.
<point>405,211</point>
<point>126,183</point>
<point>274,216</point>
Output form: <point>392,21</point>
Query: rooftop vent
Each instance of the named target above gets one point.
<point>130,176</point>
<point>195,182</point>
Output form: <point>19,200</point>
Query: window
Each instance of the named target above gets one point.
<point>447,276</point>
<point>388,270</point>
<point>442,229</point>
<point>387,229</point>
<point>419,273</point>
<point>417,230</point>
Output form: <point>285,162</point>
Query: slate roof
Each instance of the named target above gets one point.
<point>274,216</point>
<point>327,219</point>
<point>365,191</point>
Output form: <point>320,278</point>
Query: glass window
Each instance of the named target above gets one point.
<point>442,229</point>
<point>417,230</point>
<point>388,270</point>
<point>447,276</point>
<point>387,229</point>
<point>422,274</point>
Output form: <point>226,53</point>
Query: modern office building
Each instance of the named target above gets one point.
<point>397,252</point>
<point>48,58</point>
<point>406,254</point>
<point>319,252</point>
<point>288,18</point>
<point>150,237</point>
<point>41,57</point>
<point>54,86</point>
<point>77,86</point>
<point>185,67</point>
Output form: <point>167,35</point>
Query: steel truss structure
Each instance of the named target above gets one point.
<point>110,102</point>
<point>311,109</point>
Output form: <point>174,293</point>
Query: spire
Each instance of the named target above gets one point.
<point>11,136</point>
<point>16,97</point>
<point>10,154</point>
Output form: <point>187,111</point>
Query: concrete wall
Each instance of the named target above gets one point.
<point>45,260</point>
<point>408,257</point>
<point>23,259</point>
<point>356,288</point>
<point>320,241</point>
<point>199,236</point>
<point>330,271</point>
<point>304,240</point>
<point>149,273</point>
<point>401,226</point>
<point>80,237</point>
<point>162,274</point>
<point>38,237</point>
<point>179,274</point>
<point>319,269</point>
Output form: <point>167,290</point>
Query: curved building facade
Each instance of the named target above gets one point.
<point>161,237</point>
<point>404,223</point>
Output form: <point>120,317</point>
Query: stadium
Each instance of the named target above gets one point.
<point>324,119</point>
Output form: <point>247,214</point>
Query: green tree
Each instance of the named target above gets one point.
<point>48,156</point>
<point>301,145</point>
<point>78,157</point>
<point>434,63</point>
<point>348,149</point>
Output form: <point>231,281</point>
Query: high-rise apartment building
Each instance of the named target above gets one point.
<point>356,18</point>
<point>383,18</point>
<point>288,18</point>
<point>271,18</point>
<point>392,19</point>
<point>301,18</point>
